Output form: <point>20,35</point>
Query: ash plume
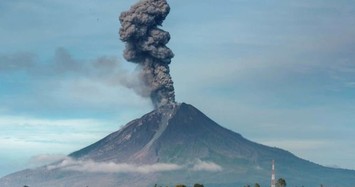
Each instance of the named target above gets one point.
<point>146,46</point>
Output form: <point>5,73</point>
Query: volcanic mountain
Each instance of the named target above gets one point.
<point>177,144</point>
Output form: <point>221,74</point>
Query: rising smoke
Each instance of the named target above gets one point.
<point>146,45</point>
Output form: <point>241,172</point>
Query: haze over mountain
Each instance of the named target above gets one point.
<point>177,144</point>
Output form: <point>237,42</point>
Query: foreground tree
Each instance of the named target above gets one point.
<point>180,185</point>
<point>281,182</point>
<point>198,185</point>
<point>256,185</point>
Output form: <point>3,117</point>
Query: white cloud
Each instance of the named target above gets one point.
<point>111,167</point>
<point>206,166</point>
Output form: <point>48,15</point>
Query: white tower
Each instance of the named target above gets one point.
<point>273,174</point>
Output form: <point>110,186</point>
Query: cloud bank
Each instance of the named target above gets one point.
<point>206,166</point>
<point>112,167</point>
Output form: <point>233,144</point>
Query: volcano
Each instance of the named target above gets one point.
<point>177,144</point>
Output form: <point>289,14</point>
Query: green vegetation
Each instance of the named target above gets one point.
<point>281,182</point>
<point>182,185</point>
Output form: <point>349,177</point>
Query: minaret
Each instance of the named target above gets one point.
<point>273,174</point>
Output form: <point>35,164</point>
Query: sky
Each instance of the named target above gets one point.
<point>281,73</point>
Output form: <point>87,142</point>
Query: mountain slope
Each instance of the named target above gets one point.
<point>199,149</point>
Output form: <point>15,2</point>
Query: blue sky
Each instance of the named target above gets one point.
<point>281,73</point>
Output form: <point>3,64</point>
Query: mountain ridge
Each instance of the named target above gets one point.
<point>198,148</point>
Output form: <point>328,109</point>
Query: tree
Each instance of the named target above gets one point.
<point>180,185</point>
<point>281,182</point>
<point>256,185</point>
<point>198,185</point>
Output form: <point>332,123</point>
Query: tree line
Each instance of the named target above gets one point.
<point>281,182</point>
<point>182,185</point>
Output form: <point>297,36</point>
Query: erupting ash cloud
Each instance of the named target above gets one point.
<point>146,45</point>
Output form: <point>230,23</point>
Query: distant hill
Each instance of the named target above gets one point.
<point>178,144</point>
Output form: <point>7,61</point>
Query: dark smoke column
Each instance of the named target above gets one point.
<point>146,45</point>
